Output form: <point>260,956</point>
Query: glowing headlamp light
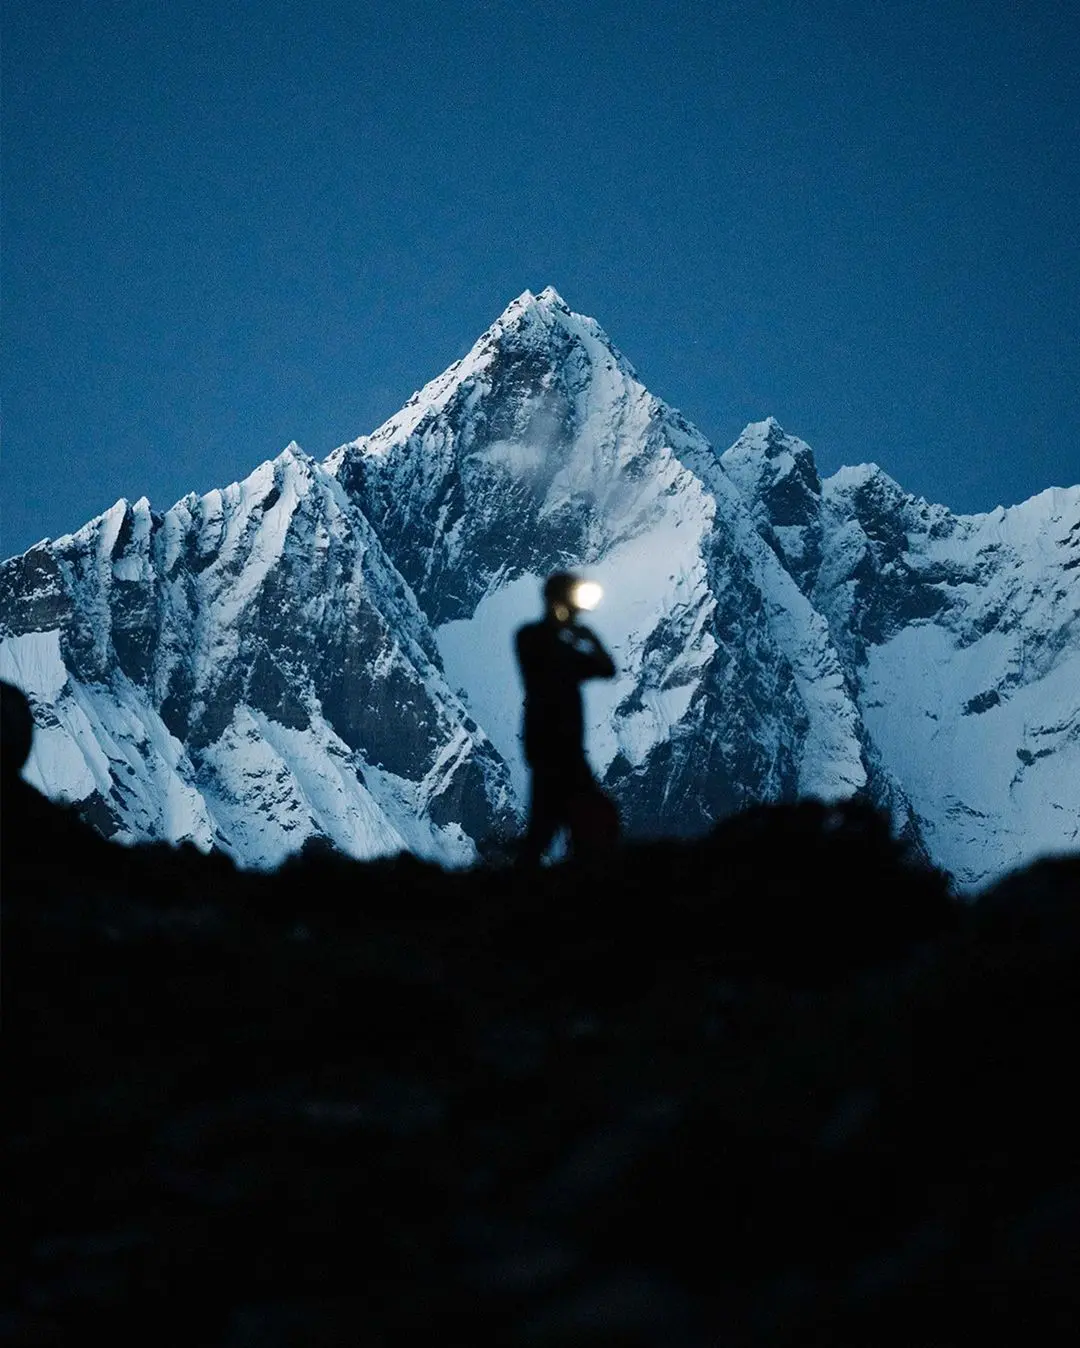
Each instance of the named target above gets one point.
<point>586,594</point>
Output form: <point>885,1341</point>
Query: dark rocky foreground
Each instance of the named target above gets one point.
<point>775,1087</point>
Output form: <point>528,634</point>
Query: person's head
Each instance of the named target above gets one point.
<point>559,595</point>
<point>566,594</point>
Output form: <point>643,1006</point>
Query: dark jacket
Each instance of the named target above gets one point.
<point>554,659</point>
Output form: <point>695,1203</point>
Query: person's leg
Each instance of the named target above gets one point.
<point>544,818</point>
<point>591,814</point>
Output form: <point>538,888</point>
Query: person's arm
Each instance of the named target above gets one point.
<point>592,660</point>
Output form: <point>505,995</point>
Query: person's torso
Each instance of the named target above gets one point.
<point>553,710</point>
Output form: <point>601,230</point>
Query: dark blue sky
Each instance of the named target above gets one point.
<point>227,226</point>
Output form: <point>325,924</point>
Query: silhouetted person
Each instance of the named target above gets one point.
<point>556,655</point>
<point>39,838</point>
<point>16,731</point>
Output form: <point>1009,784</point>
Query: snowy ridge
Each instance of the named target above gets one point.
<point>237,671</point>
<point>324,651</point>
<point>985,682</point>
<point>93,744</point>
<point>961,637</point>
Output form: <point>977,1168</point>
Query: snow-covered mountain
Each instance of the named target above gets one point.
<point>246,670</point>
<point>325,649</point>
<point>960,636</point>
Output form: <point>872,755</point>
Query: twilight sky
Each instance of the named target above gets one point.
<point>231,225</point>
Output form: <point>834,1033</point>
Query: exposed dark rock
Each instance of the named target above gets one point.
<point>33,597</point>
<point>101,812</point>
<point>272,691</point>
<point>982,702</point>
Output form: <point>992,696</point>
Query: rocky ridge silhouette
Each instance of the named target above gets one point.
<point>774,1086</point>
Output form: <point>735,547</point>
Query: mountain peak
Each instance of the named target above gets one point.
<point>546,321</point>
<point>542,313</point>
<point>765,459</point>
<point>865,481</point>
<point>550,296</point>
<point>543,326</point>
<point>769,436</point>
<point>767,430</point>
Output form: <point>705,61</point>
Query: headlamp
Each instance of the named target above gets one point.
<point>586,594</point>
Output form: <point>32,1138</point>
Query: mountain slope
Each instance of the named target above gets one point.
<point>542,449</point>
<point>247,670</point>
<point>962,638</point>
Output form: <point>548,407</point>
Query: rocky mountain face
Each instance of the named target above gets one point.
<point>247,671</point>
<point>960,636</point>
<point>324,650</point>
